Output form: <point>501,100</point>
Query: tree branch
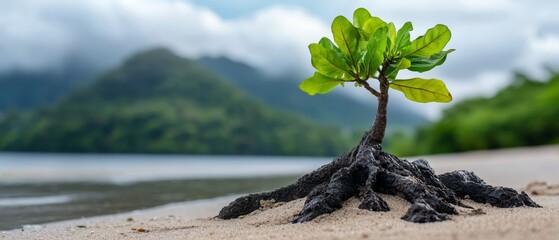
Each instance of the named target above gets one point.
<point>368,87</point>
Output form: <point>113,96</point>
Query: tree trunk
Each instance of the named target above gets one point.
<point>379,126</point>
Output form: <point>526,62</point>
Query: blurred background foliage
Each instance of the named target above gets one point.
<point>522,114</point>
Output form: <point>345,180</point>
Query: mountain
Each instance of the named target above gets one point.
<point>522,114</point>
<point>283,93</point>
<point>157,102</point>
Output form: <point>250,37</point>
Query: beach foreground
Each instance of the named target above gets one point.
<point>175,222</point>
<point>193,220</point>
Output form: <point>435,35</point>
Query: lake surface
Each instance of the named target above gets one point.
<point>38,188</point>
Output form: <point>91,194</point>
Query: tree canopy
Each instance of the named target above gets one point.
<point>360,49</point>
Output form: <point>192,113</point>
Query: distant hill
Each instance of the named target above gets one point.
<point>522,114</point>
<point>157,102</point>
<point>284,93</point>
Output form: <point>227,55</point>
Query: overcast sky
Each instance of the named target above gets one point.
<point>492,38</point>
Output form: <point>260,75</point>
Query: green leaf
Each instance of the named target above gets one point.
<point>328,60</point>
<point>423,90</point>
<point>394,69</point>
<point>392,34</point>
<point>403,36</point>
<point>346,37</point>
<point>423,64</point>
<point>434,40</point>
<point>319,84</point>
<point>372,25</point>
<point>360,16</point>
<point>376,47</point>
<point>364,37</point>
<point>328,44</point>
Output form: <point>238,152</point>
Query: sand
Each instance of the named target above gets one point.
<point>193,220</point>
<point>175,222</point>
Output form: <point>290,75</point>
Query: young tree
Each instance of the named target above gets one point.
<point>372,49</point>
<point>369,48</point>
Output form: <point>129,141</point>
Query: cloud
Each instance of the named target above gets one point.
<point>27,40</point>
<point>543,51</point>
<point>39,34</point>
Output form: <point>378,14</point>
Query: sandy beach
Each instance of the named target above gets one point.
<point>194,220</point>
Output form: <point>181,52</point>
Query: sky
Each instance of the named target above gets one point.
<point>493,38</point>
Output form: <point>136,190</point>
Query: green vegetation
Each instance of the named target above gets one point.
<point>160,103</point>
<point>523,114</point>
<point>371,48</point>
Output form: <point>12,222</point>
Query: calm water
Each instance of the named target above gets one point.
<point>39,188</point>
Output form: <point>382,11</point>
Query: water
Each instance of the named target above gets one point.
<point>40,188</point>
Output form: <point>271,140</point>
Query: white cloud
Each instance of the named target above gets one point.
<point>46,32</point>
<point>542,51</point>
<point>275,39</point>
<point>27,40</point>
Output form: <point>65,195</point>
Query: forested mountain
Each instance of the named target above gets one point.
<point>522,114</point>
<point>157,102</point>
<point>283,92</point>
